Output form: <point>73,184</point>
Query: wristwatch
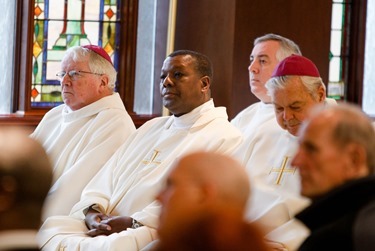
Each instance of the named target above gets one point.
<point>136,224</point>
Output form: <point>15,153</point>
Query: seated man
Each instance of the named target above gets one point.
<point>121,198</point>
<point>25,178</point>
<point>203,206</point>
<point>268,51</point>
<point>83,133</point>
<point>295,87</point>
<point>336,160</point>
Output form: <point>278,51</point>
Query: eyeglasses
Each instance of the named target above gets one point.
<point>74,75</point>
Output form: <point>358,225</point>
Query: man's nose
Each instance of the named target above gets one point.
<point>253,67</point>
<point>287,115</point>
<point>167,81</point>
<point>65,80</point>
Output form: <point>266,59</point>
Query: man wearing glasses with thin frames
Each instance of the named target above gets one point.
<point>83,133</point>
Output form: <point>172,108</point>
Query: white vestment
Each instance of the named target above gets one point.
<point>249,119</point>
<point>130,181</point>
<point>265,148</point>
<point>79,143</point>
<point>267,153</point>
<point>275,183</point>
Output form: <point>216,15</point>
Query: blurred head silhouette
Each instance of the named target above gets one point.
<point>25,178</point>
<point>204,199</point>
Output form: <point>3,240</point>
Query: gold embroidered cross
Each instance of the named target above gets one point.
<point>282,169</point>
<point>152,159</point>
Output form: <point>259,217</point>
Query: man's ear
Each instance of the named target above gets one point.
<point>205,83</point>
<point>358,161</point>
<point>8,192</point>
<point>104,80</point>
<point>321,94</point>
<point>208,194</point>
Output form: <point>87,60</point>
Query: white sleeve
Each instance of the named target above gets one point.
<point>67,233</point>
<point>291,234</point>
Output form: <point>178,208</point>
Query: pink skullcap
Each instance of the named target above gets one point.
<point>100,51</point>
<point>296,65</point>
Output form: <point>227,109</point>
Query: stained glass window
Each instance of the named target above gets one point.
<point>61,24</point>
<point>338,52</point>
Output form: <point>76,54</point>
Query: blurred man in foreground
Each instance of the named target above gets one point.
<point>203,206</point>
<point>336,161</point>
<point>25,178</point>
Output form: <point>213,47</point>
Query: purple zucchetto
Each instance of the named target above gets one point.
<point>296,65</point>
<point>100,51</point>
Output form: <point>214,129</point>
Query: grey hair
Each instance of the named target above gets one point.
<point>354,126</point>
<point>311,84</point>
<point>97,64</point>
<point>287,46</point>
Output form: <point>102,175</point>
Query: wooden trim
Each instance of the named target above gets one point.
<point>25,47</point>
<point>354,90</point>
<point>127,51</point>
<point>20,120</point>
<point>23,50</point>
<point>17,57</point>
<point>139,120</point>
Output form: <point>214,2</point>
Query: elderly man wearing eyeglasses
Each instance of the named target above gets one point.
<point>83,133</point>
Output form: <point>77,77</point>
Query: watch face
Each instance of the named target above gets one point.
<point>136,224</point>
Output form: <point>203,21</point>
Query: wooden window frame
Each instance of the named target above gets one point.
<point>25,115</point>
<point>356,59</point>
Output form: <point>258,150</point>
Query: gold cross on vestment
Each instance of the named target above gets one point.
<point>152,159</point>
<point>282,170</point>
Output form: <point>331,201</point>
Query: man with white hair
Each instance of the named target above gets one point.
<point>295,87</point>
<point>82,134</point>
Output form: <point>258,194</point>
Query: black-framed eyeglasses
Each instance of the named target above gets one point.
<point>73,74</point>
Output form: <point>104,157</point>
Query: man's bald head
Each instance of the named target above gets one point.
<point>199,183</point>
<point>225,176</point>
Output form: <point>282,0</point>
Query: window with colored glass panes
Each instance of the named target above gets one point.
<point>61,24</point>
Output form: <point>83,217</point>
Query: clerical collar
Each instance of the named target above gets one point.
<point>188,119</point>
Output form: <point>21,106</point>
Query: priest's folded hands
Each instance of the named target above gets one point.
<point>103,224</point>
